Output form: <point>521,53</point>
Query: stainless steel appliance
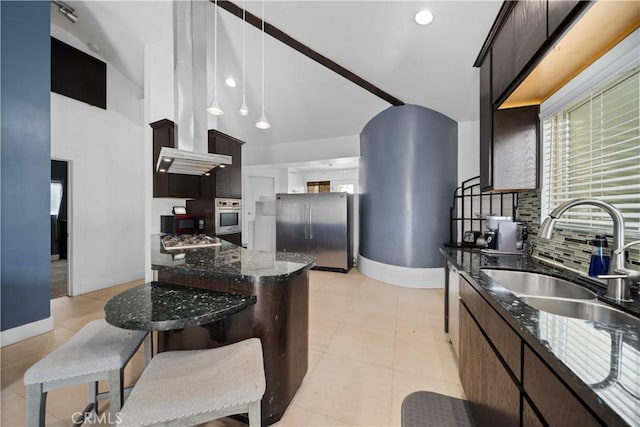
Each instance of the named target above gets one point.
<point>182,224</point>
<point>228,216</point>
<point>504,236</point>
<point>318,224</point>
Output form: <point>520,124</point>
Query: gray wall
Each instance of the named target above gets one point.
<point>408,173</point>
<point>25,164</point>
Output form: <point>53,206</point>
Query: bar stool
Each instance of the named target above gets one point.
<point>96,352</point>
<point>429,409</point>
<point>190,387</point>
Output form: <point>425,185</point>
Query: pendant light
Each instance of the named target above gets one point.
<point>244,110</point>
<point>214,108</point>
<point>263,123</point>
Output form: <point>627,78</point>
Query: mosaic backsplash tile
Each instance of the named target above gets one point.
<point>568,247</point>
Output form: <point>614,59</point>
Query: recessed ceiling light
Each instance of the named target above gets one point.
<point>230,82</point>
<point>424,17</point>
<point>94,47</point>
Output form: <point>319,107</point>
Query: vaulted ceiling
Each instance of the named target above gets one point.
<point>378,40</point>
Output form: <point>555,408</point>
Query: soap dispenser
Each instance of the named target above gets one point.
<point>600,256</point>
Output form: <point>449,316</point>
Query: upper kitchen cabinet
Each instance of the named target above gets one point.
<point>557,12</point>
<point>165,184</point>
<point>502,64</point>
<point>228,180</point>
<point>486,125</point>
<point>530,19</point>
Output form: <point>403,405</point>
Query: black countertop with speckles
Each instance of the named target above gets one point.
<point>600,362</point>
<point>159,306</point>
<point>229,261</point>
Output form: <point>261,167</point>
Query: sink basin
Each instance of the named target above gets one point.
<point>586,310</point>
<point>534,284</point>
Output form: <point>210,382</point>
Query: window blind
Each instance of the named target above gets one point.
<point>55,198</point>
<point>592,149</point>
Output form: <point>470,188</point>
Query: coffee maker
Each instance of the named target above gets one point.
<point>503,236</point>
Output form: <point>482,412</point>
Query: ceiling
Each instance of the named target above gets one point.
<point>378,40</point>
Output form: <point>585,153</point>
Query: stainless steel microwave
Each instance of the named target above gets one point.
<point>228,216</point>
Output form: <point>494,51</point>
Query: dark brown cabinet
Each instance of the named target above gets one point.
<point>516,142</point>
<point>546,390</point>
<point>164,184</point>
<point>486,125</point>
<point>228,180</point>
<point>494,397</point>
<point>502,65</point>
<point>506,382</point>
<point>530,20</point>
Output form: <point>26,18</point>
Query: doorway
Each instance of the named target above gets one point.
<point>259,189</point>
<point>59,229</point>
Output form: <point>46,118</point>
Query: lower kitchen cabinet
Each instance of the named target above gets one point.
<point>494,396</point>
<point>553,399</point>
<point>505,380</point>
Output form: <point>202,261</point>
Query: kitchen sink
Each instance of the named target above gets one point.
<point>540,285</point>
<point>586,310</point>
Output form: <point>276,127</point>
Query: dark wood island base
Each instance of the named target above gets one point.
<point>280,318</point>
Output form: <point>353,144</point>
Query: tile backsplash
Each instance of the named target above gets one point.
<point>568,247</point>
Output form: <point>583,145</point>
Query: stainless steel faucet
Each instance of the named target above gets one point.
<point>617,279</point>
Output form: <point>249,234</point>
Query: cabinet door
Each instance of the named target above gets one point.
<point>515,148</point>
<point>235,170</point>
<point>529,417</point>
<point>502,64</point>
<point>495,398</point>
<point>558,11</point>
<point>530,31</point>
<point>486,125</point>
<point>546,391</point>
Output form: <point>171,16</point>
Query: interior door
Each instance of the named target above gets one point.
<point>255,188</point>
<point>328,229</point>
<point>292,227</point>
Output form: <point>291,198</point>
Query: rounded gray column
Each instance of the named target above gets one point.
<point>408,173</point>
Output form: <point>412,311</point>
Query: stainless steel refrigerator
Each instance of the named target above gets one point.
<point>318,224</point>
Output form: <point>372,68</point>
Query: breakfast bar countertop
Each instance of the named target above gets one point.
<point>583,353</point>
<point>229,262</point>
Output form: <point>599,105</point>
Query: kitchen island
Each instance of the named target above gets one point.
<point>280,317</point>
<point>578,371</point>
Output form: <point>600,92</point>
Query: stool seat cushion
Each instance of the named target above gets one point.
<point>180,384</point>
<point>97,347</point>
<point>429,409</point>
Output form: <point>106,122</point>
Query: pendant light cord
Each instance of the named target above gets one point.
<point>244,66</point>
<point>263,57</point>
<point>215,54</point>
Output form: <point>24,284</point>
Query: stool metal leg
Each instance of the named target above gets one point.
<point>92,397</point>
<point>254,414</point>
<point>116,380</point>
<point>36,404</point>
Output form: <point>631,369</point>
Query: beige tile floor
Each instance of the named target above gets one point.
<point>370,344</point>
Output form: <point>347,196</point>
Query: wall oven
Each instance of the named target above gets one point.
<point>228,216</point>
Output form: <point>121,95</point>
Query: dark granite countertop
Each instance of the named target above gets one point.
<point>158,306</point>
<point>583,353</point>
<point>229,262</point>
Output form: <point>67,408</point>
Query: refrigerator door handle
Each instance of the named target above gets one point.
<point>306,222</point>
<point>310,222</point>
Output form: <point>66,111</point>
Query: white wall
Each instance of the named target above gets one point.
<point>468,150</point>
<point>105,150</point>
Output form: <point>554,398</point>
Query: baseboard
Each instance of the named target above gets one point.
<point>429,278</point>
<point>19,333</point>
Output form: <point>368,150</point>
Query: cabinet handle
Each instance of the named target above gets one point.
<point>310,222</point>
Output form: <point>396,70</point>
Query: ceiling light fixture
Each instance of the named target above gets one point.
<point>66,10</point>
<point>424,17</point>
<point>231,82</point>
<point>214,108</point>
<point>244,110</point>
<point>263,123</point>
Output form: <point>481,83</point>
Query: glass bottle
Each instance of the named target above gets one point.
<point>600,256</point>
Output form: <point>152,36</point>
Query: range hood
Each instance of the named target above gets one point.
<point>190,157</point>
